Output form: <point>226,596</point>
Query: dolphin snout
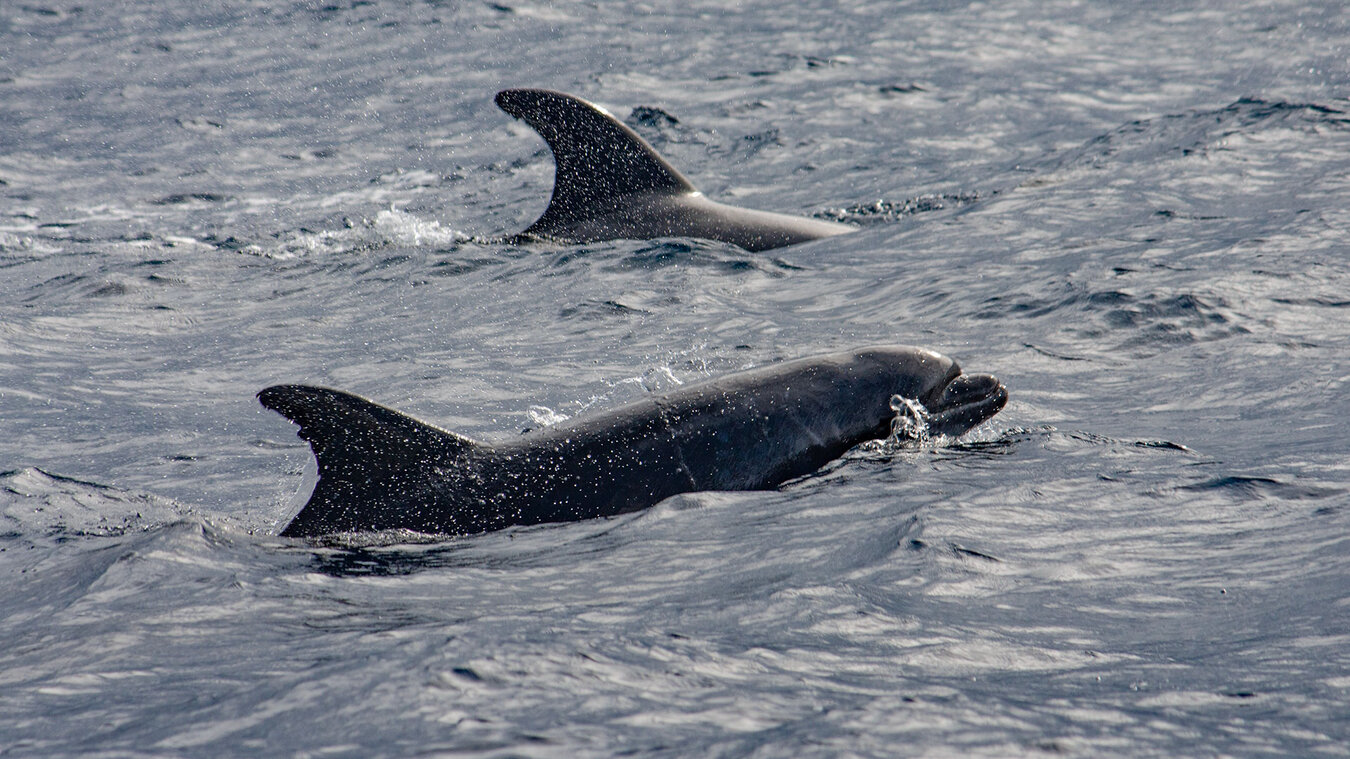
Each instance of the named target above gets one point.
<point>968,388</point>
<point>968,400</point>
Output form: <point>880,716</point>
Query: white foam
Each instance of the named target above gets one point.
<point>389,227</point>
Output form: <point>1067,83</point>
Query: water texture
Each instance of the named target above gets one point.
<point>1134,214</point>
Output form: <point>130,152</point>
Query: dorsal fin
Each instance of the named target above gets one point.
<point>361,448</point>
<point>599,159</point>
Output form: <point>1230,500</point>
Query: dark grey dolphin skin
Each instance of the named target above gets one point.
<point>611,185</point>
<point>380,470</point>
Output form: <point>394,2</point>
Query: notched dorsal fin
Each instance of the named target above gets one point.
<point>599,159</point>
<point>361,447</point>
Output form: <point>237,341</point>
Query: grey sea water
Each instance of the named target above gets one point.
<point>1135,214</point>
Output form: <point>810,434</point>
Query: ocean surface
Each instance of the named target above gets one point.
<point>1135,214</point>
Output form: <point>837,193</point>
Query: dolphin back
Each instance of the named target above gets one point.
<point>371,459</point>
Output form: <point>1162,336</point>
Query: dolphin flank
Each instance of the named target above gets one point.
<point>610,185</point>
<point>380,469</point>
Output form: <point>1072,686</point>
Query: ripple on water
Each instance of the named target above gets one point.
<point>1140,324</point>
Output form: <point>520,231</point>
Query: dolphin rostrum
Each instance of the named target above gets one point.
<point>753,430</point>
<point>611,185</point>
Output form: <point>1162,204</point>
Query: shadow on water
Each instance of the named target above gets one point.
<point>655,255</point>
<point>400,552</point>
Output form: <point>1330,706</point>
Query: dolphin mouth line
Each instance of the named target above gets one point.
<point>966,402</point>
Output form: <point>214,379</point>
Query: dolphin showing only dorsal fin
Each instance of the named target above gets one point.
<point>610,184</point>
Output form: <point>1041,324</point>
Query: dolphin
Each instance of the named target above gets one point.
<point>611,185</point>
<point>753,430</point>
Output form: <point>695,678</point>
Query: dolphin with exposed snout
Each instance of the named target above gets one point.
<point>752,430</point>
